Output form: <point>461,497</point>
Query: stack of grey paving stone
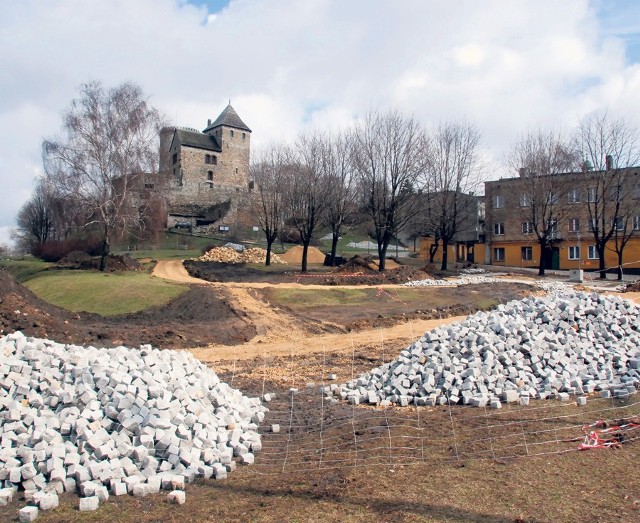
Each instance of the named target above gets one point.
<point>563,345</point>
<point>114,421</point>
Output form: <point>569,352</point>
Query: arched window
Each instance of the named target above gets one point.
<point>231,133</point>
<point>210,176</point>
<point>214,159</point>
<point>207,158</point>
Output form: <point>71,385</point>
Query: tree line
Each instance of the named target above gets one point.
<point>386,168</point>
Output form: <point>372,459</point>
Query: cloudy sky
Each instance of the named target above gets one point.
<point>506,65</point>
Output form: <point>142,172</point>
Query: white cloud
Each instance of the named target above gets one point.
<point>290,65</point>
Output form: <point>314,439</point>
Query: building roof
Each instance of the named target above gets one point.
<point>228,118</point>
<point>197,140</point>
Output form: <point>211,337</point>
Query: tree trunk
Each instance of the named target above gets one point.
<point>382,253</point>
<point>445,246</point>
<point>619,269</point>
<point>305,250</point>
<point>267,260</point>
<point>601,264</point>
<point>334,248</point>
<point>433,249</point>
<point>543,254</point>
<point>104,254</point>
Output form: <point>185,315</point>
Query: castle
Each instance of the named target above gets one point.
<point>205,175</point>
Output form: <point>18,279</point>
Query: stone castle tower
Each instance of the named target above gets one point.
<point>206,174</point>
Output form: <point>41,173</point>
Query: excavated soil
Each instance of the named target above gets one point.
<point>200,316</point>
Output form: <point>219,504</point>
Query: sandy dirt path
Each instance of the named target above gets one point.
<point>278,333</point>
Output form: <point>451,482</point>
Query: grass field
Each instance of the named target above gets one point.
<point>23,270</point>
<point>108,294</point>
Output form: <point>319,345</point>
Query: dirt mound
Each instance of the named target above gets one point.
<point>113,263</point>
<point>404,273</point>
<point>198,317</point>
<point>633,287</point>
<point>294,255</point>
<point>358,265</point>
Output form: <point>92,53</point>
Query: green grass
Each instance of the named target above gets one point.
<point>23,270</point>
<point>108,294</point>
<point>312,298</point>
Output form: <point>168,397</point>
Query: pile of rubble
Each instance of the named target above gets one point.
<point>568,344</point>
<point>114,421</point>
<point>230,255</point>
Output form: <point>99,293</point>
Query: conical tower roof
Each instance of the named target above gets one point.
<point>228,118</point>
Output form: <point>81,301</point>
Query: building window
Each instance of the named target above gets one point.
<point>207,158</point>
<point>553,228</point>
<point>214,159</point>
<point>498,229</point>
<point>553,198</point>
<point>592,194</point>
<point>592,253</point>
<point>618,224</point>
<point>210,176</point>
<point>574,225</point>
<point>525,200</point>
<point>526,253</point>
<point>527,228</point>
<point>498,254</point>
<point>574,196</point>
<point>244,135</point>
<point>591,225</point>
<point>175,157</point>
<point>574,252</point>
<point>231,133</point>
<point>615,193</point>
<point>636,223</point>
<point>498,201</point>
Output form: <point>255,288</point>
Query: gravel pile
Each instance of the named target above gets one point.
<point>554,347</point>
<point>231,255</point>
<point>114,421</point>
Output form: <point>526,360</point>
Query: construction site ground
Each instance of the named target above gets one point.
<point>338,462</point>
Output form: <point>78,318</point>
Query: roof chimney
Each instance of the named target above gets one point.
<point>609,162</point>
<point>209,122</point>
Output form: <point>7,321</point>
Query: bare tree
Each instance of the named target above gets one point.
<point>388,158</point>
<point>36,218</point>
<point>268,174</point>
<point>109,135</point>
<point>608,146</point>
<point>539,157</point>
<point>452,175</point>
<point>306,189</point>
<point>337,165</point>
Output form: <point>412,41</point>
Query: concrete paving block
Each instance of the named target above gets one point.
<point>28,514</point>
<point>48,501</point>
<point>89,504</point>
<point>177,496</point>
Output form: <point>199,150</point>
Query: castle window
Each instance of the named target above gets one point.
<point>207,158</point>
<point>210,176</point>
<point>231,133</point>
<point>244,135</point>
<point>214,159</point>
<point>175,157</point>
<point>236,170</point>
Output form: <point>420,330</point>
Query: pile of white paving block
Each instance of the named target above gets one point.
<point>114,421</point>
<point>567,344</point>
<point>476,279</point>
